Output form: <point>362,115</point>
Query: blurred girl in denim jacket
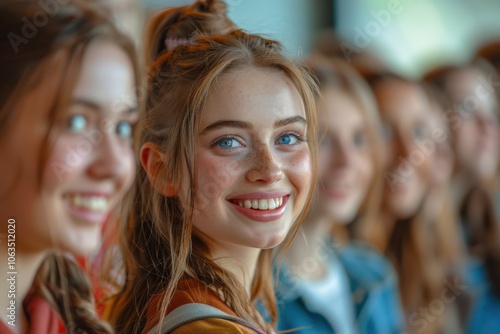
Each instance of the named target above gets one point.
<point>325,287</point>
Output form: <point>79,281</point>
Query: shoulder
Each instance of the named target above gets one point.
<point>188,291</point>
<point>213,326</point>
<point>364,263</point>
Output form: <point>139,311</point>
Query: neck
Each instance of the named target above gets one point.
<point>20,271</point>
<point>460,186</point>
<point>309,253</point>
<point>239,261</point>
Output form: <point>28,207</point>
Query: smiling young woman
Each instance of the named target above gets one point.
<point>227,173</point>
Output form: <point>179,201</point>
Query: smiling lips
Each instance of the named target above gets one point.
<point>268,207</point>
<point>91,208</point>
<point>261,204</point>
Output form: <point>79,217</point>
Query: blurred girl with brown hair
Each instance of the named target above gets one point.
<point>68,108</point>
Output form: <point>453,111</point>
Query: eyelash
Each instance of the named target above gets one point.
<point>300,139</point>
<point>217,141</point>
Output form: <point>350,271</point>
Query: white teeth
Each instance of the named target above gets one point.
<point>272,204</point>
<point>261,204</point>
<point>92,203</point>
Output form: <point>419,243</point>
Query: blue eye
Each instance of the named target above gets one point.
<point>387,133</point>
<point>77,123</point>
<point>359,140</point>
<point>124,130</point>
<point>287,139</point>
<point>419,132</point>
<point>228,143</point>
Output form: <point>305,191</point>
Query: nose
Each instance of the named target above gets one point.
<point>401,146</point>
<point>341,157</point>
<point>109,161</point>
<point>264,167</point>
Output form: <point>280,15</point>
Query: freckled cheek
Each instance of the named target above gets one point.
<point>216,175</point>
<point>366,169</point>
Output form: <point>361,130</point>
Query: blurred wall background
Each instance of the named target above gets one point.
<point>408,35</point>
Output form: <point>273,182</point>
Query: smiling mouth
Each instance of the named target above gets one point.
<point>261,204</point>
<point>98,204</point>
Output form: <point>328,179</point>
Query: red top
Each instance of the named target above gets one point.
<point>42,319</point>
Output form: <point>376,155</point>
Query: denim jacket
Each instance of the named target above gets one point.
<point>485,314</point>
<point>374,291</point>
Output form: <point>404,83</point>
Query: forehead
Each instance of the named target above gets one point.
<point>106,74</point>
<point>252,94</point>
<point>341,108</point>
<point>469,85</point>
<point>400,100</point>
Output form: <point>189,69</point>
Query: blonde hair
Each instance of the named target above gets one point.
<point>158,240</point>
<point>70,28</point>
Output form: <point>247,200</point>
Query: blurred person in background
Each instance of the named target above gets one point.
<point>416,237</point>
<point>67,114</point>
<point>329,284</point>
<point>472,113</point>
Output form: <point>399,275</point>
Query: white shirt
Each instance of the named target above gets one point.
<point>331,297</point>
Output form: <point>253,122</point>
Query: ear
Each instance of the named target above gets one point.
<point>152,162</point>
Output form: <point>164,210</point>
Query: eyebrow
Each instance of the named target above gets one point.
<point>95,107</point>
<point>290,120</point>
<point>246,125</point>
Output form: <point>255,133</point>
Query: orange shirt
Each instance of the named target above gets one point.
<point>188,291</point>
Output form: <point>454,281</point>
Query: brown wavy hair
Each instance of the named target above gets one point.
<point>184,23</point>
<point>158,240</point>
<point>421,251</point>
<point>70,28</point>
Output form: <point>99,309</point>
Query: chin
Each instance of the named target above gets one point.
<point>271,242</point>
<point>342,213</point>
<point>404,211</point>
